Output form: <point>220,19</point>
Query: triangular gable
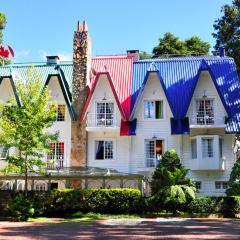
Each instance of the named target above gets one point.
<point>66,96</point>
<point>83,113</point>
<point>13,88</point>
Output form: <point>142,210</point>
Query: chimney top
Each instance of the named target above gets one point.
<point>79,27</point>
<point>85,26</point>
<point>52,59</point>
<point>134,54</point>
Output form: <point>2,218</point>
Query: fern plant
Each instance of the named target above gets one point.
<point>170,186</point>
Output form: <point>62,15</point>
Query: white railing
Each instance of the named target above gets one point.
<point>55,164</point>
<point>207,120</point>
<point>97,120</point>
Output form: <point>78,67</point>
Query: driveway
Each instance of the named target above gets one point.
<point>159,228</point>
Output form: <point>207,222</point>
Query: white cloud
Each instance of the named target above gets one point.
<point>62,56</point>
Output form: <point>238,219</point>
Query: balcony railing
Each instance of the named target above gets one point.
<point>101,120</point>
<point>55,164</point>
<point>207,120</point>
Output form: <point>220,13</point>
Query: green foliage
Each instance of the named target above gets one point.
<point>231,206</point>
<point>171,45</point>
<point>23,126</point>
<point>21,208</point>
<point>205,205</point>
<point>234,180</point>
<point>170,186</point>
<point>145,55</point>
<point>227,32</point>
<point>3,21</point>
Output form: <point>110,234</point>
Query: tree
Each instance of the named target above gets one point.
<point>23,126</point>
<point>170,186</point>
<point>234,180</point>
<point>227,33</point>
<point>145,55</point>
<point>171,45</point>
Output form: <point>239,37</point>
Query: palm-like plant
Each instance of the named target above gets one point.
<point>170,186</point>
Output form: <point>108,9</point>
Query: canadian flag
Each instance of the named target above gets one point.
<point>6,52</point>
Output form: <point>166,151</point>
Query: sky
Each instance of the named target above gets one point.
<point>45,27</point>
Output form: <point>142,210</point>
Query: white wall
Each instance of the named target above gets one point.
<point>64,127</point>
<point>121,143</point>
<point>147,128</point>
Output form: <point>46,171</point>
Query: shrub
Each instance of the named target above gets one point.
<point>231,206</point>
<point>170,186</point>
<point>205,205</point>
<point>21,207</point>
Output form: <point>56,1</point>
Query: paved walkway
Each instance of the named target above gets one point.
<point>124,229</point>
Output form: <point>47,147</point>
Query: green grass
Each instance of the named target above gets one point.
<point>85,217</point>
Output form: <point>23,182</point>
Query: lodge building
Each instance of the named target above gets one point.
<point>121,113</point>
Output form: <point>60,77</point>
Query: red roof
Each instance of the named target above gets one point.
<point>119,68</point>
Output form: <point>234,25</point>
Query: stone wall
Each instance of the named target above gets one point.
<point>81,60</point>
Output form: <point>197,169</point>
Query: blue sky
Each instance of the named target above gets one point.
<point>37,28</point>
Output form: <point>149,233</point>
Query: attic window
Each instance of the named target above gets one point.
<point>153,109</point>
<point>61,113</point>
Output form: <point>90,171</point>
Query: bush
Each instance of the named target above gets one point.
<point>21,207</point>
<point>231,206</point>
<point>205,205</point>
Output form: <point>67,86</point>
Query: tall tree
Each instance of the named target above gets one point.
<point>23,126</point>
<point>171,45</point>
<point>3,21</point>
<point>227,31</point>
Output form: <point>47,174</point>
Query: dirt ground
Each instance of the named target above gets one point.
<point>159,228</point>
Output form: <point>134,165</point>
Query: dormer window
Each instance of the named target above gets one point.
<point>205,111</point>
<point>105,114</point>
<point>153,109</point>
<point>61,113</point>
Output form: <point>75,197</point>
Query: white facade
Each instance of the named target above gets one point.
<point>213,157</point>
<point>207,151</point>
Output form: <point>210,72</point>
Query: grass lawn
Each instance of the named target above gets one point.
<point>85,217</point>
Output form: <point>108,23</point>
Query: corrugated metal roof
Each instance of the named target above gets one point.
<point>179,77</point>
<point>120,70</point>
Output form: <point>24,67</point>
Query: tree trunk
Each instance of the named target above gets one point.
<point>26,176</point>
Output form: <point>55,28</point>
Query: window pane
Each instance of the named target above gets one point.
<point>149,109</point>
<point>4,152</point>
<point>204,111</point>
<point>207,147</point>
<point>220,147</point>
<point>218,185</point>
<point>159,149</point>
<point>60,151</point>
<point>51,153</point>
<point>105,113</point>
<point>159,109</point>
<point>194,148</point>
<point>61,113</point>
<point>99,146</point>
<point>108,150</point>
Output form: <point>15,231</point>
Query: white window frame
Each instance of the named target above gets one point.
<point>163,109</point>
<point>155,160</point>
<point>56,159</point>
<point>96,113</point>
<point>213,98</point>
<point>223,185</point>
<point>104,140</point>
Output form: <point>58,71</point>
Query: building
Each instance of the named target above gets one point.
<point>119,112</point>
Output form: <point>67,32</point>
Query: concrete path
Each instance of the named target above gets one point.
<point>160,228</point>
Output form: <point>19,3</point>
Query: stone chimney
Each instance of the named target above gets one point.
<point>81,69</point>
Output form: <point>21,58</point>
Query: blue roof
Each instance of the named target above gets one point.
<point>179,76</point>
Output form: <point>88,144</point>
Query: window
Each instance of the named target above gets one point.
<point>56,153</point>
<point>105,113</point>
<point>207,147</point>
<point>198,185</point>
<point>40,187</point>
<point>104,150</point>
<point>154,152</point>
<point>3,152</point>
<point>220,147</point>
<point>221,185</point>
<point>194,148</point>
<point>61,113</point>
<point>204,111</point>
<point>153,109</point>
